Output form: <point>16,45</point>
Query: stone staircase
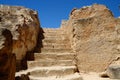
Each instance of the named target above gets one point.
<point>56,60</point>
<point>55,41</point>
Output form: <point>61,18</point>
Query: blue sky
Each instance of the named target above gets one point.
<point>51,12</point>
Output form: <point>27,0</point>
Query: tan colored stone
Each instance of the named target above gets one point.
<point>24,26</point>
<point>92,34</point>
<point>55,62</point>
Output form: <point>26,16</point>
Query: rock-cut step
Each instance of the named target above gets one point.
<point>46,63</point>
<point>64,41</point>
<point>52,71</point>
<point>54,56</point>
<point>54,37</point>
<point>74,76</point>
<point>58,71</point>
<point>52,30</point>
<point>45,50</point>
<point>55,34</point>
<point>58,46</point>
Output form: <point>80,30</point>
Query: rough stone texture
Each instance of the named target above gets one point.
<point>113,71</point>
<point>7,59</point>
<point>93,35</point>
<point>24,26</point>
<point>55,61</point>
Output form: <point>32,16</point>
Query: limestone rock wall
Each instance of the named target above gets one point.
<point>7,58</point>
<point>24,26</point>
<point>93,35</point>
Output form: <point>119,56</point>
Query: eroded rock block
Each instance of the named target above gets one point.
<point>24,26</point>
<point>93,37</point>
<point>113,71</point>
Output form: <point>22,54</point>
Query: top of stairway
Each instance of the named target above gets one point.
<point>52,29</point>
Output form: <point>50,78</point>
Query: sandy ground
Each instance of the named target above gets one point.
<point>93,76</point>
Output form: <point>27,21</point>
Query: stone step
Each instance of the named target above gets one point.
<point>53,71</point>
<point>55,50</point>
<point>57,46</point>
<point>46,50</point>
<point>57,41</point>
<point>56,34</point>
<point>43,63</point>
<point>50,39</point>
<point>56,37</point>
<point>74,76</point>
<point>54,56</point>
<point>52,30</point>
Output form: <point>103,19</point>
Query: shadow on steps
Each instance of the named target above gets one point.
<point>39,41</point>
<point>22,65</point>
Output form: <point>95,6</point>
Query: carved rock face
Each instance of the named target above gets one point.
<point>93,35</point>
<point>24,26</point>
<point>7,59</point>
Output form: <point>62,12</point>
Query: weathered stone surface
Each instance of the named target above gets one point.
<point>55,62</point>
<point>113,71</point>
<point>24,26</point>
<point>7,59</point>
<point>92,31</point>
